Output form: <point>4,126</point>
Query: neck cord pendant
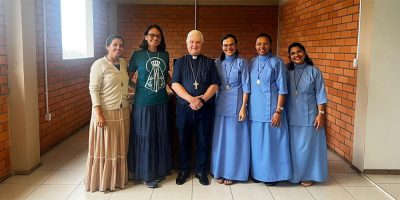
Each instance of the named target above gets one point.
<point>260,70</point>
<point>296,83</point>
<point>195,83</point>
<point>227,75</point>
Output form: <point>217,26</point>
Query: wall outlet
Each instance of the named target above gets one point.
<point>47,117</point>
<point>355,62</point>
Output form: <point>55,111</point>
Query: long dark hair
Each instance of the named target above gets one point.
<point>161,47</point>
<point>307,59</point>
<point>269,38</point>
<point>236,54</point>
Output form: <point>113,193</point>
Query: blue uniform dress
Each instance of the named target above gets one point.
<point>230,155</point>
<point>307,145</point>
<point>270,156</point>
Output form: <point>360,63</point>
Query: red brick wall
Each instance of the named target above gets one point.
<point>5,165</point>
<point>246,22</point>
<point>328,29</point>
<point>69,99</point>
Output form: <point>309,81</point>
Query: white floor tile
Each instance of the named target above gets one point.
<point>384,178</point>
<point>330,182</point>
<point>51,192</point>
<point>81,194</point>
<point>281,192</point>
<point>250,191</point>
<point>131,192</point>
<point>339,166</point>
<point>350,179</point>
<point>333,156</point>
<point>329,193</point>
<point>392,189</point>
<point>211,193</point>
<point>171,192</point>
<point>367,193</point>
<point>37,177</point>
<point>65,177</point>
<point>15,191</point>
<point>75,164</point>
<point>52,164</point>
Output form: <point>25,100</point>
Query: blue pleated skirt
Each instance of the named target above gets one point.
<point>309,154</point>
<point>149,155</point>
<point>270,156</point>
<point>230,155</point>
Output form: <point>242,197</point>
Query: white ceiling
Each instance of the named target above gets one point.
<point>202,2</point>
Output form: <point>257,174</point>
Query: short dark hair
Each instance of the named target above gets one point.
<point>161,47</point>
<point>229,35</point>
<point>112,37</point>
<point>307,59</point>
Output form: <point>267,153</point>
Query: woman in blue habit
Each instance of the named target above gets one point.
<point>230,155</point>
<point>306,109</point>
<point>270,157</point>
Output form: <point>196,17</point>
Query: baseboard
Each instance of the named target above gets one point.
<point>382,171</point>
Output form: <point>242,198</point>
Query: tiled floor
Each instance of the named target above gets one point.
<point>61,177</point>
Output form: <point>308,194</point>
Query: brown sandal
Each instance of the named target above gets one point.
<point>228,182</point>
<point>306,183</point>
<point>220,180</point>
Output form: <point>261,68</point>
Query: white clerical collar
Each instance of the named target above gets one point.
<point>194,57</point>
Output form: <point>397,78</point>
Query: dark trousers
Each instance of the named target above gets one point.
<point>199,124</point>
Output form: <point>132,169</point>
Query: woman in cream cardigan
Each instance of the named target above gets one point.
<point>106,166</point>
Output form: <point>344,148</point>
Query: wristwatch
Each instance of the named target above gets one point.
<point>321,112</point>
<point>203,100</point>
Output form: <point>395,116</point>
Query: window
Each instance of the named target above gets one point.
<point>77,28</point>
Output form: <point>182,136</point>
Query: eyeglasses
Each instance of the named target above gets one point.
<point>228,45</point>
<point>152,35</point>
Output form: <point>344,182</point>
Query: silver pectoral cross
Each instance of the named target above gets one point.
<point>195,84</point>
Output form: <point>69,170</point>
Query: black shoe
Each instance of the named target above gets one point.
<point>271,183</point>
<point>181,178</point>
<point>203,178</point>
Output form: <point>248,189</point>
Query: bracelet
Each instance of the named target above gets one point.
<point>278,112</point>
<point>279,107</point>
<point>321,112</point>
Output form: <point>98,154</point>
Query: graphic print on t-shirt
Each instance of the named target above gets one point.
<point>155,66</point>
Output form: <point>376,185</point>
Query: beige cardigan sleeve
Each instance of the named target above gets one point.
<point>96,77</point>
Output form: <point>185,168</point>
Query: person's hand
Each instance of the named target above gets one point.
<point>276,119</point>
<point>242,113</point>
<point>195,102</point>
<point>319,121</point>
<point>101,121</point>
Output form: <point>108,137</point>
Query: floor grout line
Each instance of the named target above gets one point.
<point>377,186</point>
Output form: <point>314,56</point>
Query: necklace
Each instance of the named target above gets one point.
<point>259,71</point>
<point>296,83</point>
<point>158,56</point>
<point>196,84</point>
<point>227,75</point>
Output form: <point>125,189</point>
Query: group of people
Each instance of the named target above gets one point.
<point>261,120</point>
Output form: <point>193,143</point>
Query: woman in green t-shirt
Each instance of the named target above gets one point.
<point>149,148</point>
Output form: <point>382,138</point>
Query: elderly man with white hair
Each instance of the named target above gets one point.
<point>195,81</point>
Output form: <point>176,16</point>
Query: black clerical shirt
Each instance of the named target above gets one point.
<point>189,71</point>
